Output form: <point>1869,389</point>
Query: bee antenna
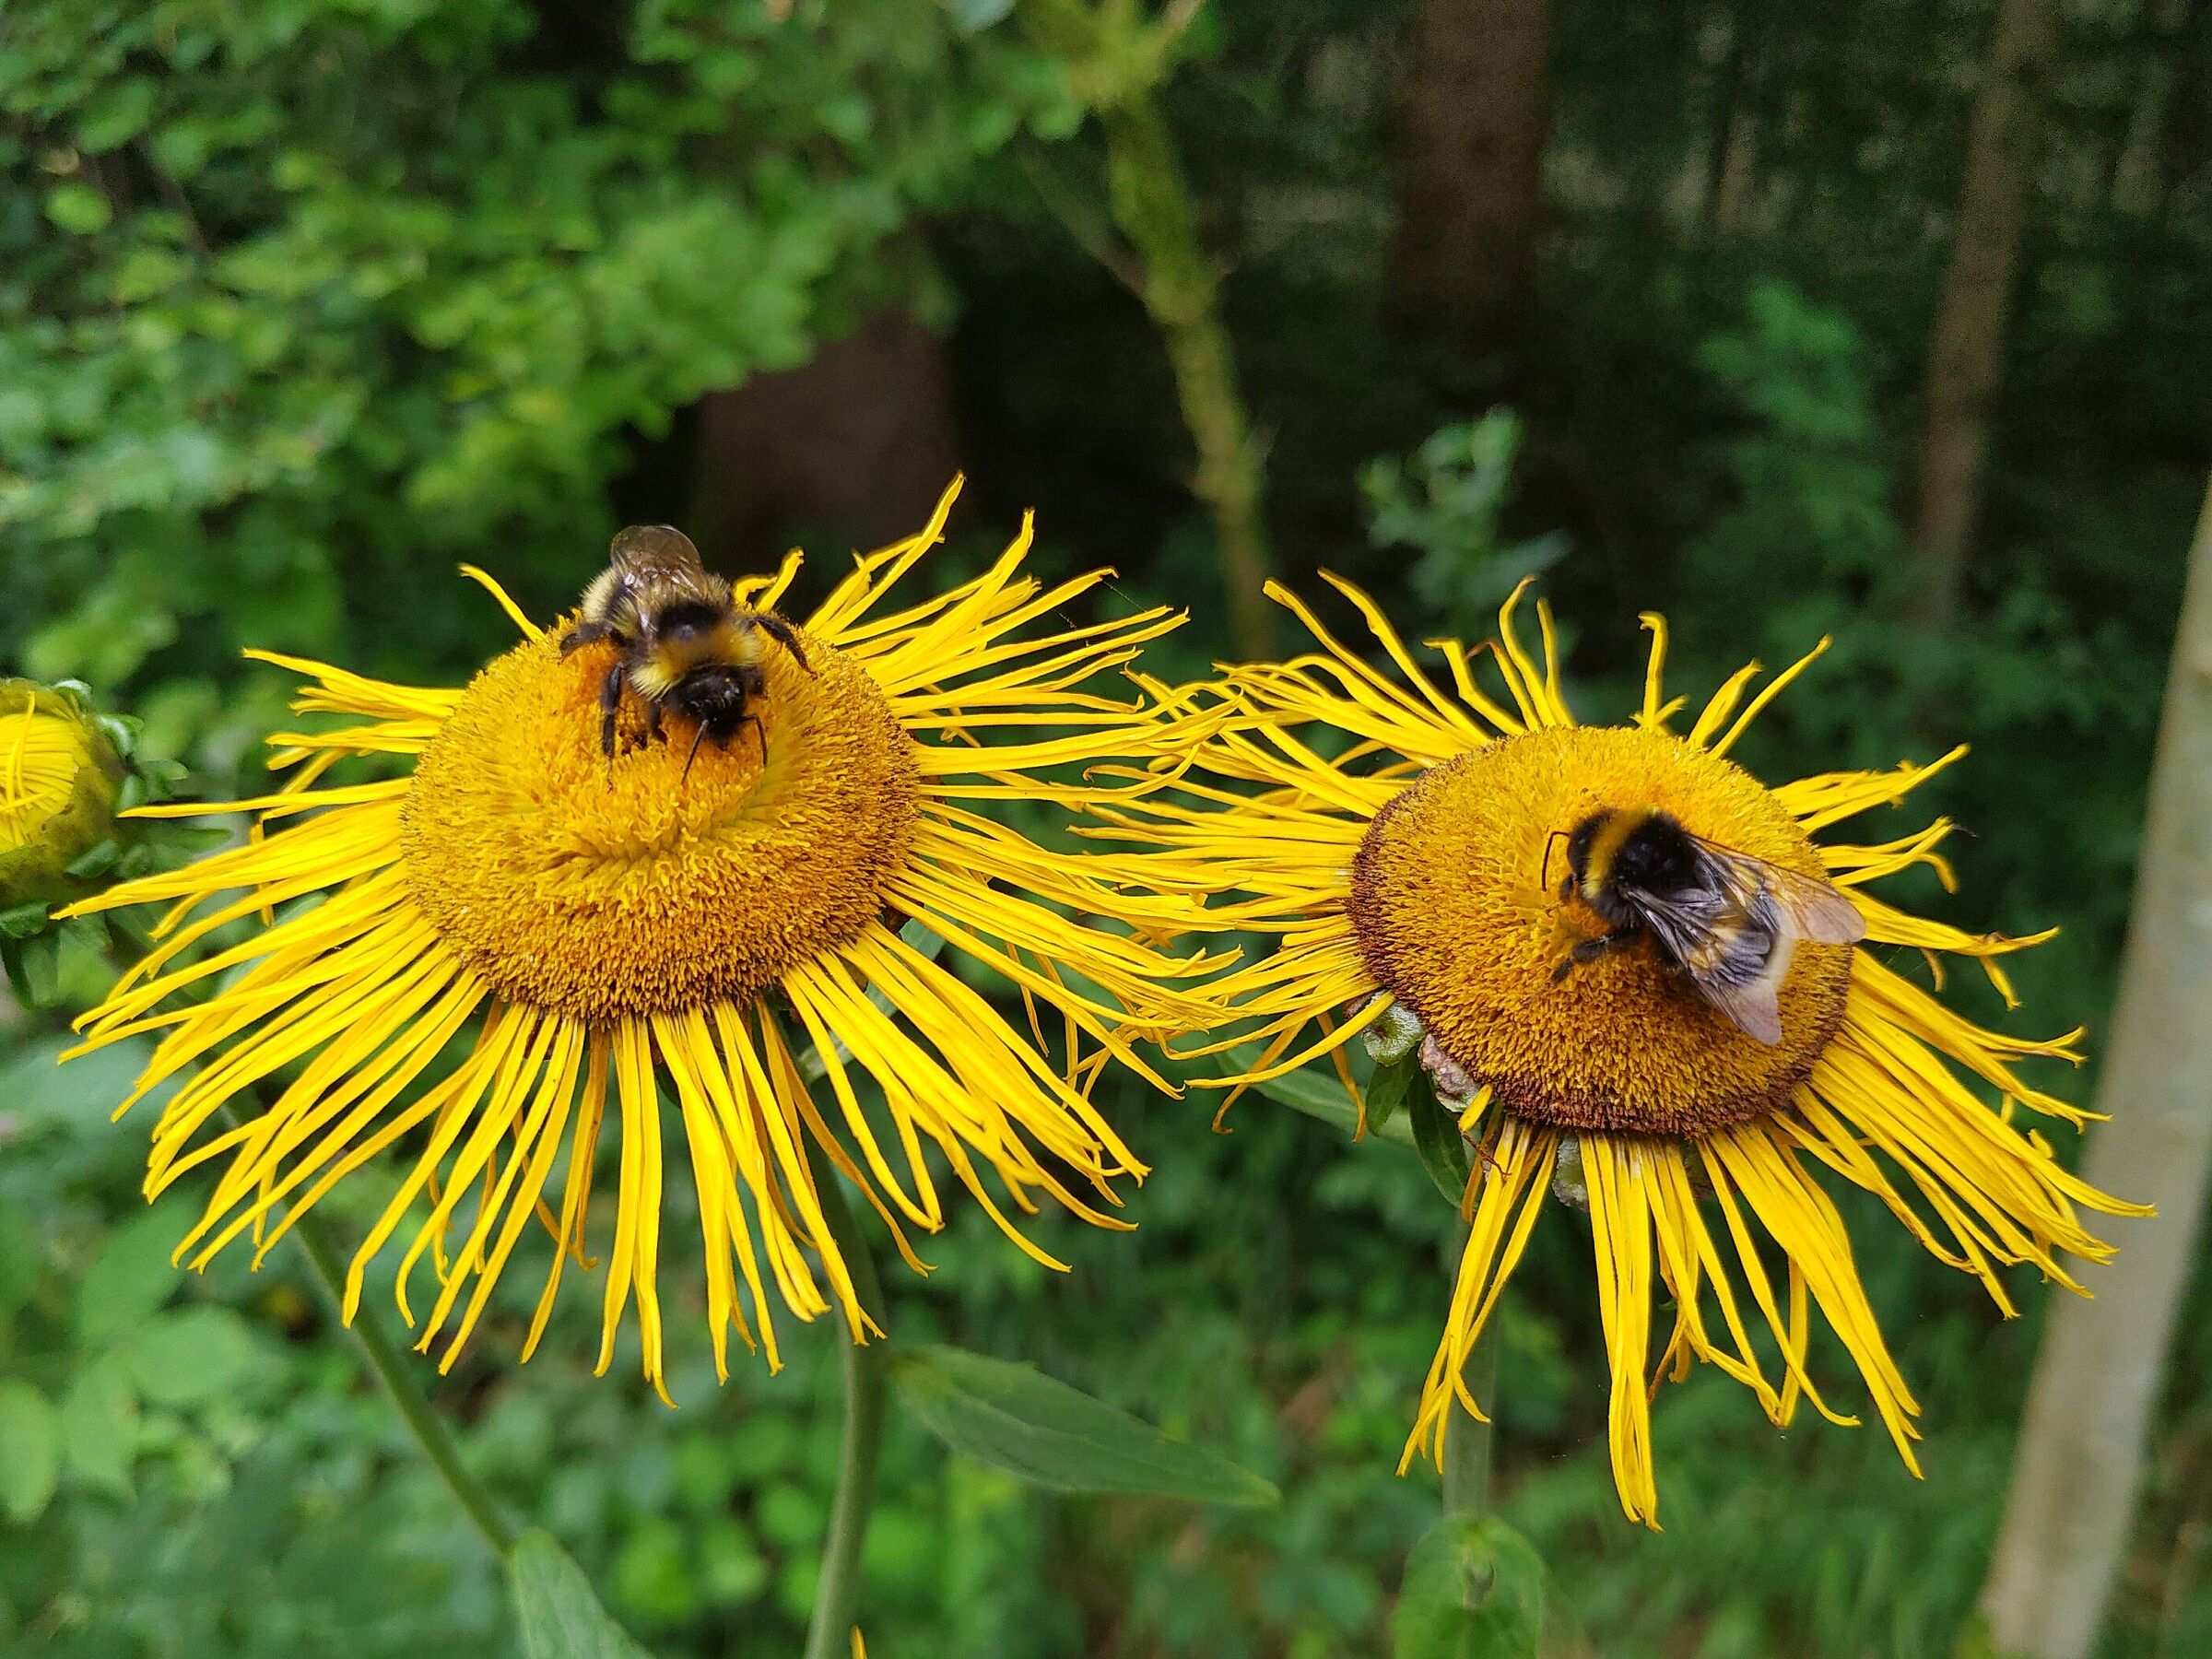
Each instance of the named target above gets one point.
<point>693,754</point>
<point>1544,877</point>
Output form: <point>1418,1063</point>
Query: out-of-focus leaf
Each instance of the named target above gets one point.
<point>1473,1588</point>
<point>99,1426</point>
<point>31,1451</point>
<point>129,1279</point>
<point>191,1355</point>
<point>559,1614</point>
<point>1018,1420</point>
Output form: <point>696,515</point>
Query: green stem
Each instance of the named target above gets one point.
<point>1468,1443</point>
<point>1117,60</point>
<point>866,1374</point>
<point>394,1371</point>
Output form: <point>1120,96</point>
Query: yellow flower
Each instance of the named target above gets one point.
<point>1406,881</point>
<point>59,773</point>
<point>620,928</point>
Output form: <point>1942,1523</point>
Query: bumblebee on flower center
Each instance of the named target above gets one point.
<point>1456,919</point>
<point>598,886</point>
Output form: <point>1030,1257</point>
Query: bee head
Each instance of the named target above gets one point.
<point>717,697</point>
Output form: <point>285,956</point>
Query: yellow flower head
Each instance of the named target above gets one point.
<point>59,773</point>
<point>1416,878</point>
<point>618,928</point>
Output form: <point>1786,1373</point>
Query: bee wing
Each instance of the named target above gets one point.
<point>1733,931</point>
<point>654,553</point>
<point>1753,1006</point>
<point>1812,910</point>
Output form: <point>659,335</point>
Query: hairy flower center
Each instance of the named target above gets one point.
<point>599,889</point>
<point>1455,918</point>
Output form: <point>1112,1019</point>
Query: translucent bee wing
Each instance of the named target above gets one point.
<point>1812,910</point>
<point>660,549</point>
<point>1751,1006</point>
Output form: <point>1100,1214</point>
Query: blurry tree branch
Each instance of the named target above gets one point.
<point>2098,1373</point>
<point>1116,58</point>
<point>1967,344</point>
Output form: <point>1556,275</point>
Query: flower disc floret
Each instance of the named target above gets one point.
<point>1456,920</point>
<point>598,887</point>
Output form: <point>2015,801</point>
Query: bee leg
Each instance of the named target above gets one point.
<point>784,635</point>
<point>759,733</point>
<point>583,634</point>
<point>1588,950</point>
<point>610,709</point>
<point>653,725</point>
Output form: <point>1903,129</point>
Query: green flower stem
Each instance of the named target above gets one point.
<point>866,1377</point>
<point>396,1373</point>
<point>1468,1444</point>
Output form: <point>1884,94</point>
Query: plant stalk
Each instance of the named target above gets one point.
<point>1468,1441</point>
<point>865,1371</point>
<point>1117,61</point>
<point>392,1369</point>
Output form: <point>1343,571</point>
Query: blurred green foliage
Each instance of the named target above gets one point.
<point>304,302</point>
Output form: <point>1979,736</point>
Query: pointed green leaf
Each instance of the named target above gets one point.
<point>554,1603</point>
<point>1016,1419</point>
<point>31,1451</point>
<point>1316,1092</point>
<point>1474,1590</point>
<point>1437,1138</point>
<point>1391,1087</point>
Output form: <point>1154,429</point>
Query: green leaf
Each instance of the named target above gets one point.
<point>1474,1590</point>
<point>191,1356</point>
<point>31,1451</point>
<point>1437,1138</point>
<point>1016,1419</point>
<point>1389,1088</point>
<point>99,1428</point>
<point>560,1617</point>
<point>78,208</point>
<point>129,1279</point>
<point>1318,1094</point>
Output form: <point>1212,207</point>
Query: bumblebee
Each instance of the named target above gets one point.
<point>1725,922</point>
<point>687,647</point>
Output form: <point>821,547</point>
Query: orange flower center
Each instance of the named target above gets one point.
<point>598,888</point>
<point>1454,915</point>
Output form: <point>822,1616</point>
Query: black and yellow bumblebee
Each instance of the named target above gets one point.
<point>687,646</point>
<point>1727,922</point>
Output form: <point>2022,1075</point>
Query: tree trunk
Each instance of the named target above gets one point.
<point>1476,110</point>
<point>857,442</point>
<point>1966,350</point>
<point>2097,1375</point>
